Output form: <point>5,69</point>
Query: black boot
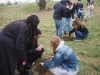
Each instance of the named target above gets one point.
<point>29,73</point>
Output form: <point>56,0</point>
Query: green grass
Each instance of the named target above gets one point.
<point>87,51</point>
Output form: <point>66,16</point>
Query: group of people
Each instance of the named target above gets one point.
<point>19,49</point>
<point>90,4</point>
<point>63,14</point>
<point>88,1</point>
<point>19,43</point>
<point>79,10</point>
<point>19,46</point>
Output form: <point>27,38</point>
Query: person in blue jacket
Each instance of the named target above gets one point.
<point>59,13</point>
<point>64,61</point>
<point>81,14</point>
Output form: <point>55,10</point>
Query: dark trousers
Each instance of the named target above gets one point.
<point>88,2</point>
<point>23,68</point>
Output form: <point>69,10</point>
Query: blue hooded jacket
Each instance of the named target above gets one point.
<point>59,10</point>
<point>64,57</point>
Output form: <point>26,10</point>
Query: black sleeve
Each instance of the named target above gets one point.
<point>54,6</point>
<point>20,43</point>
<point>66,12</point>
<point>32,50</point>
<point>85,31</point>
<point>73,30</point>
<point>72,12</point>
<point>29,47</point>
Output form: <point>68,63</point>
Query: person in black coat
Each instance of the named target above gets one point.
<point>80,5</point>
<point>33,53</point>
<point>59,13</point>
<point>80,30</point>
<point>12,43</point>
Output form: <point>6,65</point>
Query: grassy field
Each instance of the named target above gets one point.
<point>87,51</point>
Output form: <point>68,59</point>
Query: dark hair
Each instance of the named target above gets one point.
<point>39,31</point>
<point>11,23</point>
<point>32,21</point>
<point>78,24</point>
<point>69,3</point>
<point>90,3</point>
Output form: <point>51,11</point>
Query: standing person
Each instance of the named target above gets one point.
<point>80,5</point>
<point>33,53</point>
<point>59,12</point>
<point>80,30</point>
<point>64,61</point>
<point>92,2</point>
<point>68,17</point>
<point>90,8</point>
<point>76,9</point>
<point>12,43</point>
<point>88,1</point>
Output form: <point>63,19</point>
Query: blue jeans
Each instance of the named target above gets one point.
<point>83,13</point>
<point>79,35</point>
<point>90,12</point>
<point>58,25</point>
<point>67,24</point>
<point>76,12</point>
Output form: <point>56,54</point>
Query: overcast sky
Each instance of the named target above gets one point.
<point>20,1</point>
<point>13,1</point>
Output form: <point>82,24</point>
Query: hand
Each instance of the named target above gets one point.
<point>39,48</point>
<point>49,60</point>
<point>24,62</point>
<point>41,63</point>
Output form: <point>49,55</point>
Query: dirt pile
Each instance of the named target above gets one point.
<point>40,70</point>
<point>68,38</point>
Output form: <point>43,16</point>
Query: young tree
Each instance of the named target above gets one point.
<point>41,4</point>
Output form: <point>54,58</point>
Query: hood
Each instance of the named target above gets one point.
<point>60,45</point>
<point>63,1</point>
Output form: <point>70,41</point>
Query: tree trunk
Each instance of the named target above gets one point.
<point>41,4</point>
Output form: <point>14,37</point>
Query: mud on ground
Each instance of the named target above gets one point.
<point>41,71</point>
<point>68,38</point>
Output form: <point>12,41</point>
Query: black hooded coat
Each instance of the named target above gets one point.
<point>60,9</point>
<point>12,48</point>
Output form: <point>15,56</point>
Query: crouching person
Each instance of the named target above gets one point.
<point>81,32</point>
<point>81,14</point>
<point>33,53</point>
<point>64,61</point>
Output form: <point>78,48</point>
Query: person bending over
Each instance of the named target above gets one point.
<point>13,38</point>
<point>64,61</point>
<point>33,53</point>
